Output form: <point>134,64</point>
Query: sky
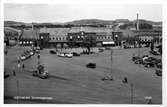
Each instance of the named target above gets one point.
<point>69,12</point>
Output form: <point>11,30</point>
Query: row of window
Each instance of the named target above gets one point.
<point>64,38</point>
<point>104,37</point>
<point>58,38</point>
<point>25,42</point>
<point>146,37</point>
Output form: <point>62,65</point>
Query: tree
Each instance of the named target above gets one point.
<point>144,26</point>
<point>152,46</point>
<point>88,42</point>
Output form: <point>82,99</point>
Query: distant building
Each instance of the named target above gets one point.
<point>148,36</point>
<point>76,36</point>
<point>11,35</point>
<point>54,37</point>
<point>98,36</point>
<point>28,38</point>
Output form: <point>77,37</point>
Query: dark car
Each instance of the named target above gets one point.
<point>148,63</point>
<point>126,47</point>
<point>158,72</point>
<point>107,48</point>
<point>135,58</point>
<point>154,52</point>
<point>35,73</point>
<point>6,75</point>
<point>138,61</point>
<point>52,51</point>
<point>91,65</point>
<point>101,49</point>
<point>40,72</point>
<point>159,65</point>
<point>75,54</point>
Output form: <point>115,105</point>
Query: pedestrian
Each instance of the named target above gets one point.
<point>125,80</point>
<point>18,66</point>
<point>6,51</point>
<point>23,66</point>
<point>149,101</point>
<point>14,73</point>
<point>38,56</point>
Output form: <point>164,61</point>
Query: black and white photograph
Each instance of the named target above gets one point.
<point>83,53</point>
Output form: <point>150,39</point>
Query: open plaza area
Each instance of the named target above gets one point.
<point>71,82</point>
<point>83,53</point>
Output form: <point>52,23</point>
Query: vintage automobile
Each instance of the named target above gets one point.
<point>91,65</point>
<point>75,54</point>
<point>135,58</point>
<point>41,72</point>
<point>154,52</point>
<point>138,61</point>
<point>159,65</point>
<point>52,51</point>
<point>101,49</point>
<point>31,53</point>
<point>68,55</point>
<point>23,57</point>
<point>158,72</point>
<point>148,63</point>
<point>107,77</point>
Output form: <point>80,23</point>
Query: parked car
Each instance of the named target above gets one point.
<point>52,51</point>
<point>127,46</point>
<point>148,63</point>
<point>158,72</point>
<point>138,61</point>
<point>41,72</point>
<point>159,65</point>
<point>91,65</point>
<point>107,77</point>
<point>135,58</point>
<point>154,52</point>
<point>32,53</point>
<point>107,48</point>
<point>37,51</point>
<point>75,54</point>
<point>68,55</point>
<point>61,54</point>
<point>101,49</point>
<point>23,57</point>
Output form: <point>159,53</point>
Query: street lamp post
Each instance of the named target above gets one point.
<point>131,86</point>
<point>138,35</point>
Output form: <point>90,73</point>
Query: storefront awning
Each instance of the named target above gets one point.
<point>106,43</point>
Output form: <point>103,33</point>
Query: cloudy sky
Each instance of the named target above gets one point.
<point>70,12</point>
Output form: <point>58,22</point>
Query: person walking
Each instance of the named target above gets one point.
<point>13,71</point>
<point>125,80</point>
<point>23,66</point>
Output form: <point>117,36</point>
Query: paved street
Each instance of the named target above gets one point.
<point>72,82</point>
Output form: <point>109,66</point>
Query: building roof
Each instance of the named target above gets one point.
<point>55,32</point>
<point>127,33</point>
<point>10,29</point>
<point>29,34</point>
<point>90,29</point>
<point>60,32</point>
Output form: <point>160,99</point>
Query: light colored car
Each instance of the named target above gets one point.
<point>31,53</point>
<point>23,57</point>
<point>68,55</point>
<point>58,53</point>
<point>61,55</point>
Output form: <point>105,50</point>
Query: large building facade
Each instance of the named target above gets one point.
<point>76,37</point>
<point>29,38</point>
<point>11,35</point>
<point>84,36</point>
<point>148,36</point>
